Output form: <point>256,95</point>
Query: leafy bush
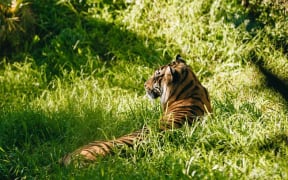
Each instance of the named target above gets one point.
<point>16,26</point>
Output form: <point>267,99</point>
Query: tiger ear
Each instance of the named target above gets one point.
<point>179,59</point>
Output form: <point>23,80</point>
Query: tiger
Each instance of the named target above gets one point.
<point>183,100</point>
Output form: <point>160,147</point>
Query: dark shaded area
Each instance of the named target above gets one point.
<point>262,14</point>
<point>256,15</point>
<point>259,15</point>
<point>275,143</point>
<point>273,81</point>
<point>29,138</point>
<point>16,28</point>
<point>64,38</point>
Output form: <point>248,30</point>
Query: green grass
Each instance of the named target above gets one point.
<point>81,79</point>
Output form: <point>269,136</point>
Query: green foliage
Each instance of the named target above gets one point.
<point>80,78</point>
<point>16,26</point>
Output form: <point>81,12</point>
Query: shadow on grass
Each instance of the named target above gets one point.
<point>260,15</point>
<point>28,139</point>
<point>66,37</point>
<point>272,80</point>
<point>31,140</point>
<point>275,143</point>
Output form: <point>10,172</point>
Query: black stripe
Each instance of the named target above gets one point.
<point>91,152</point>
<point>196,97</point>
<point>179,108</point>
<point>180,123</point>
<point>185,76</point>
<point>195,107</point>
<point>100,145</point>
<point>128,142</point>
<point>108,146</point>
<point>185,89</point>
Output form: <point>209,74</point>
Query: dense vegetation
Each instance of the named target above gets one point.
<point>73,71</point>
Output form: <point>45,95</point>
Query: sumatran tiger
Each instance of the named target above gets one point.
<point>183,99</point>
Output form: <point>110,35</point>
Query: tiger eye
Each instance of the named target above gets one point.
<point>157,73</point>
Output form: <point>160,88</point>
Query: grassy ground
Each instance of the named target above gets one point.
<point>81,79</point>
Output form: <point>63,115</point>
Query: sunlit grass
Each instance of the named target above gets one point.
<point>87,84</point>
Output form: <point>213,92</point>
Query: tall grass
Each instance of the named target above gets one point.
<point>81,79</point>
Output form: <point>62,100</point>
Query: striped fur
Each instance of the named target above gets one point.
<point>90,151</point>
<point>182,97</point>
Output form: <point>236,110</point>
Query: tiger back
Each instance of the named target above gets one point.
<point>183,98</point>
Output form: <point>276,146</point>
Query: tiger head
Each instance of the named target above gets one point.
<point>166,79</point>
